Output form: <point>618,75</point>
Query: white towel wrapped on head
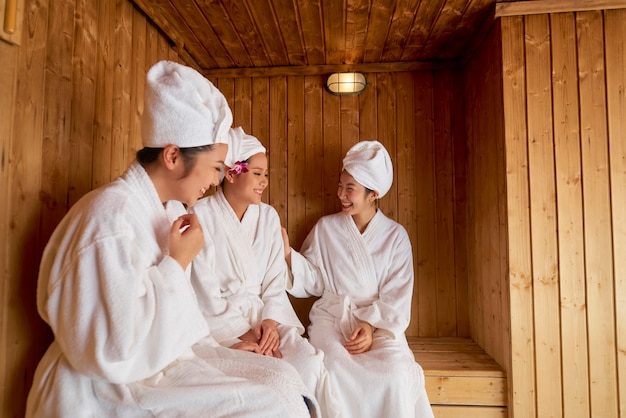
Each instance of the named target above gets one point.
<point>370,165</point>
<point>241,146</point>
<point>183,108</point>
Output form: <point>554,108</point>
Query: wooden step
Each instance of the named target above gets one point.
<point>461,379</point>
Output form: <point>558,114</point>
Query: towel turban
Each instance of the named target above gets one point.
<point>183,108</point>
<point>370,165</point>
<point>241,146</point>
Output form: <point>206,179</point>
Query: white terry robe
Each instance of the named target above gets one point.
<point>240,278</point>
<point>130,339</point>
<point>363,278</point>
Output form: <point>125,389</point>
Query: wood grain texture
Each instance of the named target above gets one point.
<point>615,58</point>
<point>543,215</point>
<point>570,216</point>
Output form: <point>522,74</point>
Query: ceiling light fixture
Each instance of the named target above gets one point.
<point>343,84</point>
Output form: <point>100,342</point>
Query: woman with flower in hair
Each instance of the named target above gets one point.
<point>359,263</point>
<point>240,275</point>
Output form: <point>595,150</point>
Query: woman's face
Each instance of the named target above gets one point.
<point>353,196</point>
<point>204,174</point>
<point>248,187</point>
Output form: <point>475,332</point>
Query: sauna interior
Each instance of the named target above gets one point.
<point>506,123</point>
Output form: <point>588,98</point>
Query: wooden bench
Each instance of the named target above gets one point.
<point>461,379</point>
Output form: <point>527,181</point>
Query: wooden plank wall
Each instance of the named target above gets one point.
<point>565,112</point>
<point>487,234</point>
<point>69,122</point>
<point>420,119</point>
<point>72,93</point>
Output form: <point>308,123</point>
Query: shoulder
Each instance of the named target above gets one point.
<point>268,214</point>
<point>332,219</point>
<point>395,230</point>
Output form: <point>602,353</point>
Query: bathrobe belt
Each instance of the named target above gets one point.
<point>344,308</point>
<point>247,299</point>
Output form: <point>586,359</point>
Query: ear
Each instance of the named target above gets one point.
<point>227,174</point>
<point>170,156</point>
<point>373,196</point>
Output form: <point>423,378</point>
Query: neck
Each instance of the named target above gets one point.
<point>363,219</point>
<point>238,207</point>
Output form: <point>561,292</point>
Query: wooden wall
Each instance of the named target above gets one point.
<point>72,93</point>
<point>420,119</point>
<point>69,122</point>
<point>564,96</point>
<point>486,202</point>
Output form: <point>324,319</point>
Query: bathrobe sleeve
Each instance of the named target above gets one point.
<point>276,304</point>
<point>306,278</point>
<point>119,313</point>
<point>391,311</point>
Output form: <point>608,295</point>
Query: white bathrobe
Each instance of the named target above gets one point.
<point>363,278</point>
<point>240,278</point>
<point>130,339</point>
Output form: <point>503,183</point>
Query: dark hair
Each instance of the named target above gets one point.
<point>147,156</point>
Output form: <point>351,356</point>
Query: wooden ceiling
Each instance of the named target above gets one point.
<point>231,37</point>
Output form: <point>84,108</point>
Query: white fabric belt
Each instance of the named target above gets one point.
<point>342,307</point>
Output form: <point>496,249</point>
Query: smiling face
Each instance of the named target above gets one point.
<point>355,199</point>
<point>202,175</point>
<point>247,188</point>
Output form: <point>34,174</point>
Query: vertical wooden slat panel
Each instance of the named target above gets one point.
<point>405,167</point>
<point>152,36</point>
<point>103,117</point>
<point>615,38</point>
<point>278,149</point>
<point>260,122</point>
<point>349,126</point>
<point>28,338</point>
<point>348,134</point>
<point>597,214</point>
<point>486,210</point>
<point>137,84</point>
<point>314,151</point>
<point>243,104</point>
<point>386,116</point>
<point>425,296</point>
<point>368,108</point>
<point>444,203</point>
<point>543,215</point>
<point>122,36</point>
<point>522,394</point>
<point>57,116</point>
<point>83,99</point>
<point>8,77</point>
<point>296,181</point>
<point>227,87</point>
<point>332,151</point>
<point>569,209</point>
<point>460,157</point>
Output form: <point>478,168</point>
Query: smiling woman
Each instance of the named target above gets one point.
<point>240,274</point>
<point>129,336</point>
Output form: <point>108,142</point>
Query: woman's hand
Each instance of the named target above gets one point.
<point>247,346</point>
<point>185,239</point>
<point>361,339</point>
<point>269,338</point>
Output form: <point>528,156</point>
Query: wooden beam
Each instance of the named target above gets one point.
<point>383,67</point>
<point>555,6</point>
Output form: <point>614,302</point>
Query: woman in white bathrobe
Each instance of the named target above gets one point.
<point>359,262</point>
<point>114,286</point>
<point>240,275</point>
